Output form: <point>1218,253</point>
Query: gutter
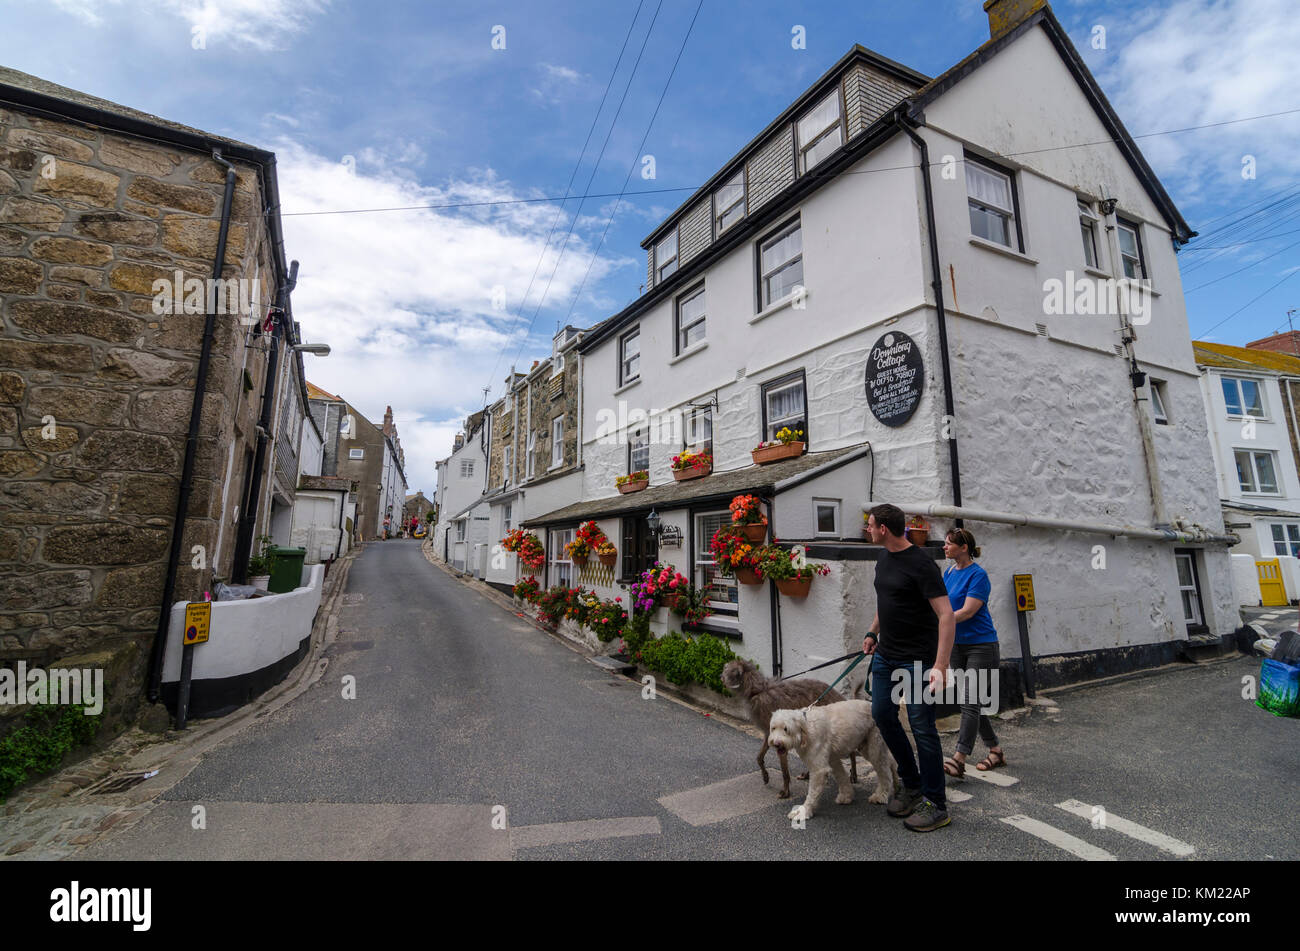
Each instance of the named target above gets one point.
<point>1196,536</point>
<point>908,124</point>
<point>191,442</point>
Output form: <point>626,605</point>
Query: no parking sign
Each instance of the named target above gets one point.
<point>198,618</point>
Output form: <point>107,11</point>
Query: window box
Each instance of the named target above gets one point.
<point>767,454</point>
<point>692,472</point>
<point>794,587</point>
<point>692,465</point>
<point>636,486</point>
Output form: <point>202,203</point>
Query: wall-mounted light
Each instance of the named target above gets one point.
<point>663,534</point>
<point>653,521</point>
<point>316,349</point>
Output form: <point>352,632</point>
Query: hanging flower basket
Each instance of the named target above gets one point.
<point>757,532</point>
<point>778,452</point>
<point>747,575</point>
<point>610,560</point>
<point>794,587</point>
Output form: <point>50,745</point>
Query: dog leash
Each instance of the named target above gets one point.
<point>819,666</point>
<point>856,660</point>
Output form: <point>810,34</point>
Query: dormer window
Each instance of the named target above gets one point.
<point>729,202</point>
<point>820,132</point>
<point>666,257</point>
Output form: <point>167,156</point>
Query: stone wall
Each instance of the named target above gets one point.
<point>366,472</point>
<point>96,388</point>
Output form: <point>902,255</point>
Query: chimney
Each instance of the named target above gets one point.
<point>459,441</point>
<point>1288,343</point>
<point>388,421</point>
<point>1004,15</point>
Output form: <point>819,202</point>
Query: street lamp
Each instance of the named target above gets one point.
<point>316,349</point>
<point>653,521</point>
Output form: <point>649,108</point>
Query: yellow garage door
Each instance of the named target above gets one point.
<point>1271,591</point>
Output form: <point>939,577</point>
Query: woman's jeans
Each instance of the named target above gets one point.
<point>884,710</point>
<point>974,657</point>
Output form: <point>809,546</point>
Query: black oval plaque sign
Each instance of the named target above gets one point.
<point>894,378</point>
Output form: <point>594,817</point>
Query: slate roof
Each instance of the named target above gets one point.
<point>1227,357</point>
<point>719,485</point>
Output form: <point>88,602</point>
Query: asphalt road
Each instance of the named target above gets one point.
<point>474,735</point>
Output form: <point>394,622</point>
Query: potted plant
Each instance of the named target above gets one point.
<point>747,514</point>
<point>917,531</point>
<point>578,550</point>
<point>734,554</point>
<point>692,465</point>
<point>658,587</point>
<point>787,445</point>
<point>607,553</point>
<point>528,546</point>
<point>527,588</point>
<point>692,604</point>
<point>633,481</point>
<point>262,564</point>
<point>792,574</point>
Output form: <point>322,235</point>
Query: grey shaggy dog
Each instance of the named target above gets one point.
<point>764,696</point>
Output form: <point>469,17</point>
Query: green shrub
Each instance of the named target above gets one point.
<point>40,744</point>
<point>682,660</point>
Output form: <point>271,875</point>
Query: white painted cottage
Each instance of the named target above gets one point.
<point>460,537</point>
<point>968,306</point>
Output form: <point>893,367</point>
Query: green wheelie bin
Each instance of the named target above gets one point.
<point>286,573</point>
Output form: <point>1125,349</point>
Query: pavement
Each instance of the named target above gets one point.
<point>1273,621</point>
<point>443,725</point>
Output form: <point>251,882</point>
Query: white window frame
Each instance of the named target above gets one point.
<point>723,207</point>
<point>467,468</point>
<point>1244,411</point>
<point>557,442</point>
<point>1158,397</point>
<point>625,375</point>
<point>505,517</point>
<point>637,443</point>
<point>834,505</point>
<point>356,454</point>
<point>682,332</point>
<point>1007,214</point>
<point>1194,601</point>
<point>811,139</point>
<point>704,562</point>
<point>531,462</point>
<point>1088,232</point>
<point>460,529</point>
<point>1139,259</point>
<point>697,434</point>
<point>561,564</point>
<point>506,453</point>
<point>1255,480</point>
<point>666,264</point>
<point>1289,543</point>
<point>775,425</point>
<point>765,276</point>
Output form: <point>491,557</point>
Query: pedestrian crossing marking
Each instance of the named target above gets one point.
<point>558,833</point>
<point>996,777</point>
<point>1268,617</point>
<point>1164,843</point>
<point>1059,838</point>
<point>956,795</point>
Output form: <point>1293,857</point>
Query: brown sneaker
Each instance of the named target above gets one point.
<point>903,802</point>
<point>927,817</point>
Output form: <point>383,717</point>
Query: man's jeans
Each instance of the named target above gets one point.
<point>885,712</point>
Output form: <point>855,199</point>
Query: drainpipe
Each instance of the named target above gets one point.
<point>191,442</point>
<point>248,518</point>
<point>908,124</point>
<point>1195,536</point>
<point>1136,376</point>
<point>774,606</point>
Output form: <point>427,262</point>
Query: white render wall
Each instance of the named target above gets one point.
<point>456,491</point>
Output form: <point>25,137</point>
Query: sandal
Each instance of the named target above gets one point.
<point>954,768</point>
<point>995,759</point>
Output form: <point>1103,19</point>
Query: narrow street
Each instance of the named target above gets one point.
<point>462,707</point>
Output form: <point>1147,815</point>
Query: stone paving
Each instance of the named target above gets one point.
<point>58,815</point>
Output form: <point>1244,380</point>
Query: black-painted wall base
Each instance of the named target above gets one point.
<point>217,697</point>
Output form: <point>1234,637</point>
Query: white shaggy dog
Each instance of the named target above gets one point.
<point>823,736</point>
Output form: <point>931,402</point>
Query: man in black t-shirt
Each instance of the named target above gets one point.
<point>914,627</point>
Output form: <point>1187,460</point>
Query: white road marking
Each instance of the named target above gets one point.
<point>1164,843</point>
<point>728,799</point>
<point>1062,840</point>
<point>1268,617</point>
<point>956,795</point>
<point>555,833</point>
<point>994,776</point>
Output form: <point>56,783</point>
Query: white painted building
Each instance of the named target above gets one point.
<point>460,537</point>
<point>883,207</point>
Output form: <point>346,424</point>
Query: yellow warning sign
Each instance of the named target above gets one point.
<point>1024,592</point>
<point>198,617</point>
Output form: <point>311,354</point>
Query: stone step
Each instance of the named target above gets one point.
<point>1206,647</point>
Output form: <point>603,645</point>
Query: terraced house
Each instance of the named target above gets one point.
<point>114,349</point>
<point>883,270</point>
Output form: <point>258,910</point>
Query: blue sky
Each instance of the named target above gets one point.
<point>382,104</point>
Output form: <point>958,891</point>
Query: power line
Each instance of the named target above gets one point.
<point>1249,302</point>
<point>1247,267</point>
<point>572,175</point>
<point>632,167</point>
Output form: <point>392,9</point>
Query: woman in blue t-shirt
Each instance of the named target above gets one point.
<point>976,646</point>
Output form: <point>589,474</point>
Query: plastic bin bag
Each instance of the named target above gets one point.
<point>1279,688</point>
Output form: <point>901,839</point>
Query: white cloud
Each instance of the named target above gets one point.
<point>561,72</point>
<point>261,24</point>
<point>410,300</point>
